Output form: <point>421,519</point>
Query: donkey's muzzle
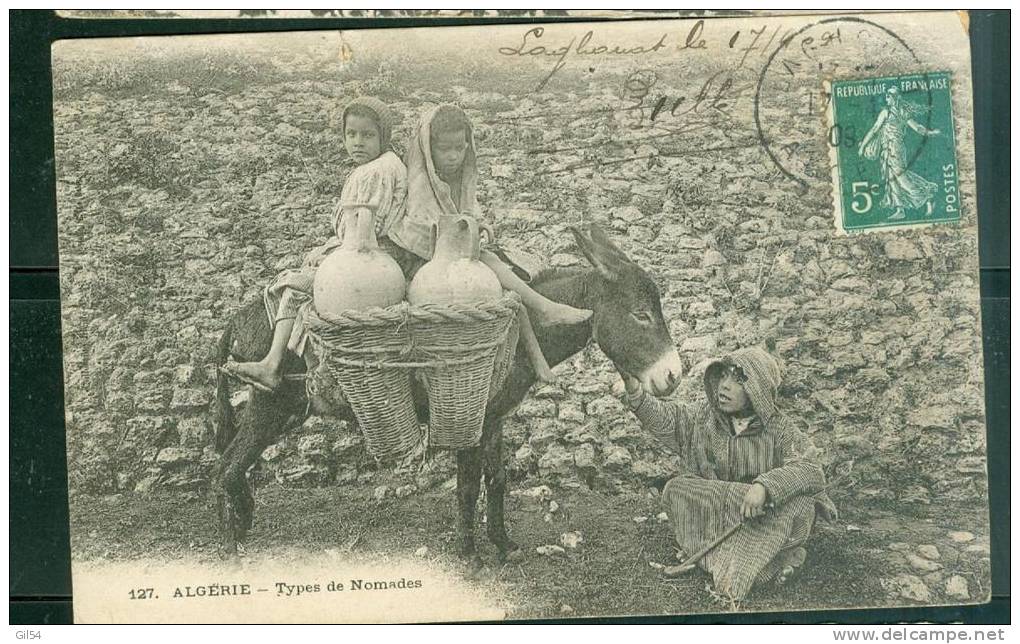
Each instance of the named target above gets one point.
<point>663,376</point>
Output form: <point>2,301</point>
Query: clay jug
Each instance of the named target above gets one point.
<point>358,275</point>
<point>454,275</point>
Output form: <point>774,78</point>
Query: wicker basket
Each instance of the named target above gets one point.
<point>505,358</point>
<point>463,352</point>
<point>363,354</point>
<point>470,354</point>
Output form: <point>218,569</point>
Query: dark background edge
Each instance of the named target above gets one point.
<point>40,582</point>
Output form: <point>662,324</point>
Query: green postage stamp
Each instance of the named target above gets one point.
<point>893,152</point>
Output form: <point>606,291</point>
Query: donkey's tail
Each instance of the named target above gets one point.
<point>225,427</point>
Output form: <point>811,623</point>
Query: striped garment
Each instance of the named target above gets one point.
<point>720,467</point>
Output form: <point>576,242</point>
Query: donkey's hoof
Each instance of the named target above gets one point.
<point>475,567</point>
<point>229,550</point>
<point>512,553</point>
<point>243,525</point>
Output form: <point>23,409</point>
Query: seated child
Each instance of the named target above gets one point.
<point>379,184</point>
<point>441,179</point>
<point>745,461</point>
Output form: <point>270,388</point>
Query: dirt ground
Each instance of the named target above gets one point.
<point>609,573</point>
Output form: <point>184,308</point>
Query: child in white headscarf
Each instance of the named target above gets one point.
<point>442,174</point>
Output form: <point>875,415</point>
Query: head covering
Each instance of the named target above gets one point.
<point>428,196</point>
<point>385,119</point>
<point>904,107</point>
<point>424,183</point>
<point>763,373</point>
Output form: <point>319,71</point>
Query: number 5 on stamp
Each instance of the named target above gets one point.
<point>893,152</point>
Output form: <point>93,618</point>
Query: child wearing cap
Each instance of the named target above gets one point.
<point>378,184</point>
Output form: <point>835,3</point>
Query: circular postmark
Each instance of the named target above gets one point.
<point>791,101</point>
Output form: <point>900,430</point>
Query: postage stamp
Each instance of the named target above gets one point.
<point>893,152</point>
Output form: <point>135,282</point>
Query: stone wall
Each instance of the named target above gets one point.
<point>178,205</point>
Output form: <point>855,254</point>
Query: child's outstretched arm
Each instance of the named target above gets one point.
<point>672,424</point>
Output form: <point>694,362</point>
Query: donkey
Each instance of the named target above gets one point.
<point>627,325</point>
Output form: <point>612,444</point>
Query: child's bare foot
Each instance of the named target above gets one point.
<point>261,375</point>
<point>543,372</point>
<point>554,313</point>
<point>793,559</point>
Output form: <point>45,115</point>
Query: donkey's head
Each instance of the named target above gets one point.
<point>628,324</point>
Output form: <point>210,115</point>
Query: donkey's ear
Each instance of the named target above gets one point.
<point>607,260</point>
<point>600,237</point>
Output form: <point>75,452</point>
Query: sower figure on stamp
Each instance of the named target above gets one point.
<point>745,461</point>
<point>904,188</point>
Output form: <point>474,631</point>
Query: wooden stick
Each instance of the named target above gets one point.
<point>692,561</point>
<point>699,555</point>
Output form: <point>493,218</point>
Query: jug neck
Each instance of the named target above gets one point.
<point>359,230</point>
<point>456,237</point>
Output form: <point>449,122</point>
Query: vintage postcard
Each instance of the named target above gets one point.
<point>522,321</point>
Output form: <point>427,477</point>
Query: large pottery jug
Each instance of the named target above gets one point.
<point>355,277</point>
<point>458,383</point>
<point>358,275</point>
<point>454,275</point>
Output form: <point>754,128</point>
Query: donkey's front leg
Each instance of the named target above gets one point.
<point>495,488</point>
<point>469,477</point>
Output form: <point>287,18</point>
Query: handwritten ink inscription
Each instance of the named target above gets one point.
<point>715,93</point>
<point>535,43</point>
<point>722,80</point>
<point>582,48</point>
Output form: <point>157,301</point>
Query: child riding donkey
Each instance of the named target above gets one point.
<point>439,178</point>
